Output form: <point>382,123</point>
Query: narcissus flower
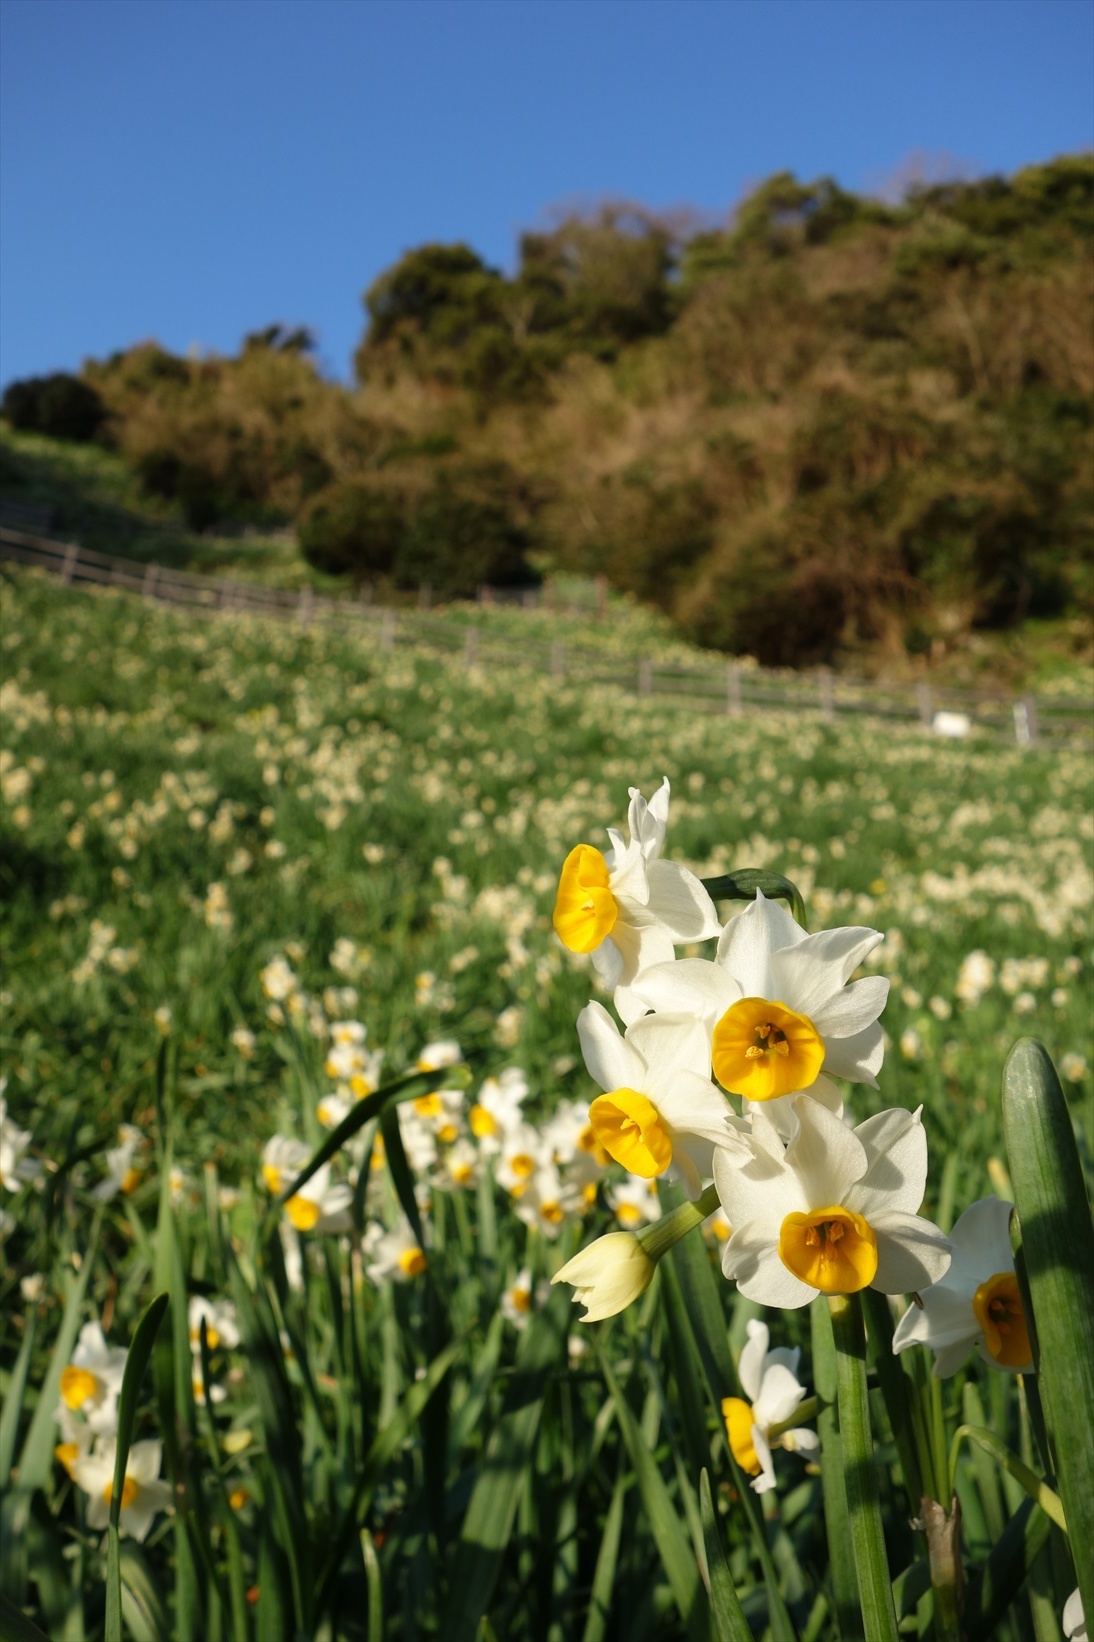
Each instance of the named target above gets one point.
<point>628,908</point>
<point>769,1379</point>
<point>778,1005</point>
<point>660,1110</point>
<point>320,1206</point>
<point>144,1493</point>
<point>608,1275</point>
<point>91,1383</point>
<point>832,1213</point>
<point>392,1254</point>
<point>1074,1618</point>
<point>977,1302</point>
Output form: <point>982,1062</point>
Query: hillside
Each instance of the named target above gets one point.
<point>831,431</point>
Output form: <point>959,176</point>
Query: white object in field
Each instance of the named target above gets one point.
<point>954,725</point>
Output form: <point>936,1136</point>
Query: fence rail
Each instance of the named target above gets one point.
<point>719,687</point>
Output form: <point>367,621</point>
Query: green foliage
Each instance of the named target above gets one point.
<point>354,530</point>
<point>61,406</point>
<point>464,532</point>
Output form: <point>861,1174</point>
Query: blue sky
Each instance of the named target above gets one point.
<point>193,171</point>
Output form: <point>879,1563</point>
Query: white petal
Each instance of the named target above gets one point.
<point>858,1058</point>
<point>896,1176</point>
<point>750,940</point>
<point>852,1009</point>
<point>609,959</point>
<point>756,1189</point>
<point>943,1319</point>
<point>679,900</point>
<point>764,1483</point>
<point>649,821</point>
<point>751,1259</point>
<point>611,1061</point>
<point>779,1395</point>
<point>639,946</point>
<point>911,1253</point>
<point>948,1359</point>
<point>827,1156</point>
<point>801,1440</point>
<point>669,1044</point>
<point>687,1168</point>
<point>694,1106</point>
<point>750,1369</point>
<point>821,964</point>
<point>627,876</point>
<point>780,1111</point>
<point>688,986</point>
<point>981,1240</point>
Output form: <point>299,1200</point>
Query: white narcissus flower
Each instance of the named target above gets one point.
<point>219,1317</point>
<point>832,1213</point>
<point>144,1493</point>
<point>548,1203</point>
<point>436,1057</point>
<point>634,1201</point>
<point>392,1254</point>
<point>282,1160</point>
<point>778,1005</point>
<point>977,1302</point>
<point>608,1275</point>
<point>1074,1618</point>
<point>91,1383</point>
<point>770,1380</point>
<point>522,1297</point>
<point>660,1110</point>
<point>320,1206</point>
<point>628,908</point>
<point>497,1108</point>
<point>15,1167</point>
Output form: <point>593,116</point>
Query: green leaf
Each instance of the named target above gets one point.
<point>1058,1252</point>
<point>140,1351</point>
<point>375,1587</point>
<point>742,886</point>
<point>730,1624</point>
<point>13,1400</point>
<point>488,1522</point>
<point>400,1171</point>
<point>672,1542</point>
<point>1023,1476</point>
<point>15,1626</point>
<point>993,1589</point>
<point>142,1606</point>
<point>36,1458</point>
<point>837,1521</point>
<point>600,1596</point>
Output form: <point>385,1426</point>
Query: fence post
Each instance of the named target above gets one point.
<point>601,596</point>
<point>304,606</point>
<point>366,594</point>
<point>558,660</point>
<point>387,630</point>
<point>148,588</point>
<point>471,647</point>
<point>923,701</point>
<point>733,689</point>
<point>425,596</point>
<point>827,700</point>
<point>645,677</point>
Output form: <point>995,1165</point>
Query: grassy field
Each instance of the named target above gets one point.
<point>186,804</point>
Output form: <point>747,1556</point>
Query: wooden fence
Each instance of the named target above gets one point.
<point>713,687</point>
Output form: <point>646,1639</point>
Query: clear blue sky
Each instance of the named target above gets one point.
<point>193,171</point>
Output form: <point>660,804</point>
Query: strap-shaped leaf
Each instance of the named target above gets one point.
<point>139,1352</point>
<point>1058,1253</point>
<point>743,884</point>
<point>730,1624</point>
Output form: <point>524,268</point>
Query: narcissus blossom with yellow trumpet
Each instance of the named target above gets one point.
<point>608,1275</point>
<point>976,1303</point>
<point>627,907</point>
<point>779,1004</point>
<point>144,1492</point>
<point>833,1212</point>
<point>659,1113</point>
<point>769,1379</point>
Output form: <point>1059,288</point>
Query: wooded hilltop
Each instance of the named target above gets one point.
<point>832,431</point>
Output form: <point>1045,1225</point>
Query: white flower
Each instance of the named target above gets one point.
<point>392,1254</point>
<point>319,1206</point>
<point>497,1110</point>
<point>608,1275</point>
<point>778,1005</point>
<point>278,980</point>
<point>91,1383</point>
<point>282,1160</point>
<point>628,908</point>
<point>549,1203</point>
<point>519,1298</point>
<point>219,1317</point>
<point>659,1109</point>
<point>977,1302</point>
<point>1074,1618</point>
<point>15,1167</point>
<point>243,1039</point>
<point>634,1201</point>
<point>834,1212</point>
<point>436,1057</point>
<point>143,1494</point>
<point>769,1379</point>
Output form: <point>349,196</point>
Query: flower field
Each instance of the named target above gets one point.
<point>290,1038</point>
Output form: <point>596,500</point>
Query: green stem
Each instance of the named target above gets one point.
<point>841,1564</point>
<point>860,1474</point>
<point>658,1237</point>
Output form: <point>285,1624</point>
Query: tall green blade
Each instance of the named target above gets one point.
<point>1058,1250</point>
<point>730,1624</point>
<point>136,1363</point>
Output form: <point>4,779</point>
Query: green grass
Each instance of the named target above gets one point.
<point>422,810</point>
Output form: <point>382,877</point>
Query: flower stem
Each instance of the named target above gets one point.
<point>658,1237</point>
<point>863,1496</point>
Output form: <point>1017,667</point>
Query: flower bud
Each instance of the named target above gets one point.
<point>608,1275</point>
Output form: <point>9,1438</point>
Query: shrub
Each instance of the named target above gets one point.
<point>465,532</point>
<point>61,406</point>
<point>355,530</point>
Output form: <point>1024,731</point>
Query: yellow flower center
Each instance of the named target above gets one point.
<point>522,1165</point>
<point>131,1179</point>
<point>627,1214</point>
<point>78,1386</point>
<point>585,909</point>
<point>482,1122</point>
<point>521,1298</point>
<point>762,1050</point>
<point>68,1454</point>
<point>553,1213</point>
<point>830,1249</point>
<point>588,1192</point>
<point>271,1176</point>
<point>739,1423</point>
<point>238,1498</point>
<point>360,1086</point>
<point>429,1105</point>
<point>462,1173</point>
<point>302,1212</point>
<point>629,1128</point>
<point>412,1262</point>
<point>998,1308</point>
<point>447,1133</point>
<point>130,1489</point>
<point>212,1335</point>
